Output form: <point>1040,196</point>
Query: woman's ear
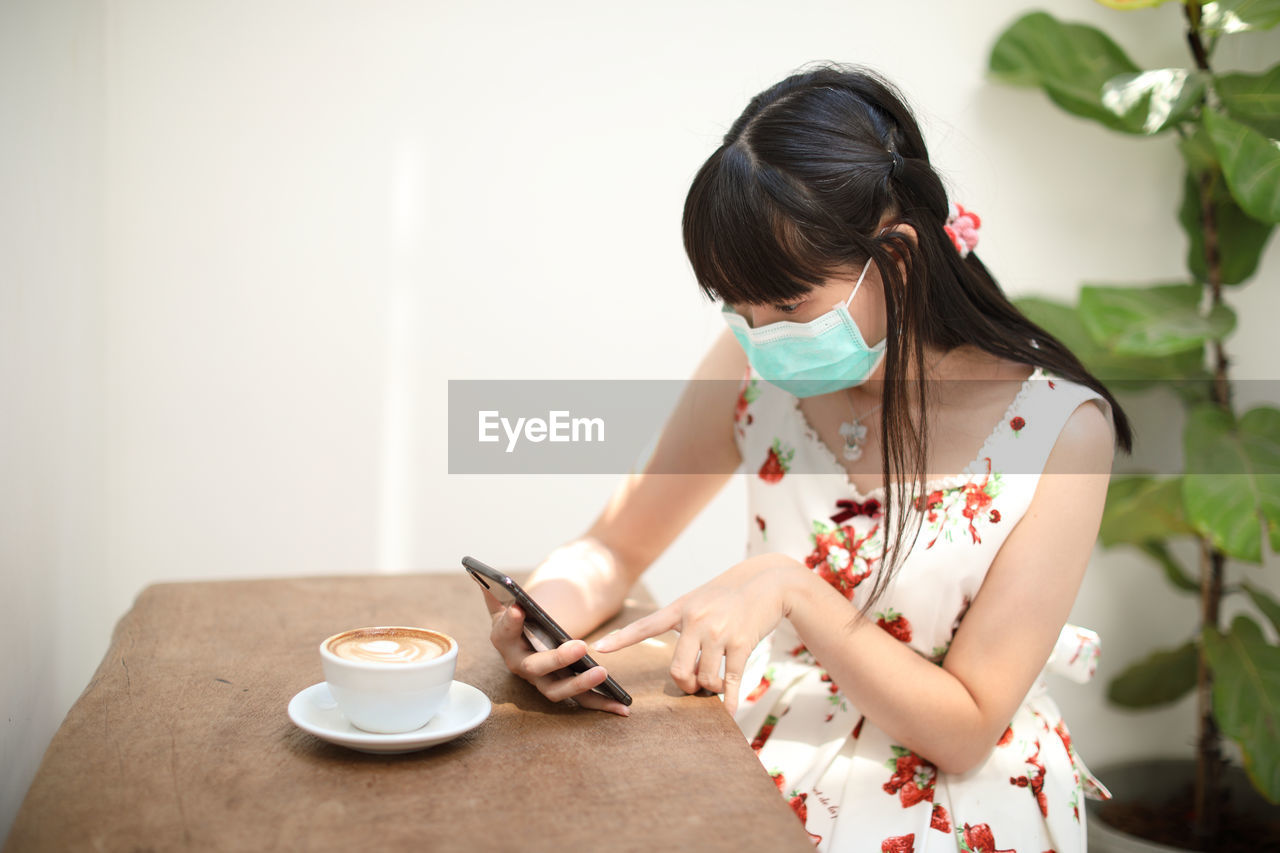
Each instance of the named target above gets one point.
<point>895,234</point>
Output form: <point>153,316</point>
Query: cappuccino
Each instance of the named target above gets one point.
<point>389,645</point>
<point>389,679</point>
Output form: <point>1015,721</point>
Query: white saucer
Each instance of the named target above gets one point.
<point>314,710</point>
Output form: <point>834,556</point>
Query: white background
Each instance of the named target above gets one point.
<point>244,245</point>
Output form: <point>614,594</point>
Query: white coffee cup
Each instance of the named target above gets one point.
<point>389,679</point>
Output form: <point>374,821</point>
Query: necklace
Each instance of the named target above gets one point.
<point>855,432</point>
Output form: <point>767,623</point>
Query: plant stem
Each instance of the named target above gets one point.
<point>1207,816</point>
<point>1208,788</point>
<point>1192,9</point>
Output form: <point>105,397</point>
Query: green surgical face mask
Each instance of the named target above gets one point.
<point>823,355</point>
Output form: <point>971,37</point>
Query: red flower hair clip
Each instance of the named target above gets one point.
<point>962,227</point>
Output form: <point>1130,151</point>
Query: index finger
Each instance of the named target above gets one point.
<point>492,603</point>
<point>643,628</point>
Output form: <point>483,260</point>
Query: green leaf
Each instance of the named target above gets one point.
<point>1241,238</point>
<point>1151,321</point>
<point>1260,434</point>
<point>1126,5</point>
<point>1140,509</point>
<point>1237,16</point>
<point>1264,602</point>
<point>1173,570</point>
<point>1233,478</point>
<point>1253,99</point>
<point>1251,163</point>
<point>1063,322</point>
<point>1151,101</point>
<point>1157,680</point>
<point>1197,150</point>
<point>1246,698</point>
<point>1070,62</point>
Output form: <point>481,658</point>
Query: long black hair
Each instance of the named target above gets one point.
<point>797,191</point>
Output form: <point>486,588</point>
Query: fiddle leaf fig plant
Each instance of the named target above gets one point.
<point>1175,334</point>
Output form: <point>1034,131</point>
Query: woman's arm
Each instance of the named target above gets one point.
<point>585,582</point>
<point>950,714</point>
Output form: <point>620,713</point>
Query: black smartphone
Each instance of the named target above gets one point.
<point>539,628</point>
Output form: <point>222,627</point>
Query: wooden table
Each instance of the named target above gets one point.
<point>181,741</point>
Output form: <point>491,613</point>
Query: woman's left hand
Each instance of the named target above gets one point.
<point>722,620</point>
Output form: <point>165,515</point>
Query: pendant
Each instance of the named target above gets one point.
<point>854,434</point>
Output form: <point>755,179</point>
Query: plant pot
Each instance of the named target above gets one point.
<point>1159,790</point>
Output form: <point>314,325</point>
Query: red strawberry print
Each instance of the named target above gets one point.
<point>978,839</point>
<point>977,497</point>
<point>758,742</point>
<point>759,689</point>
<point>899,844</point>
<point>940,820</point>
<point>896,624</point>
<point>760,524</point>
<point>797,805</point>
<point>778,779</point>
<point>1034,780</point>
<point>802,812</point>
<point>836,700</point>
<point>1017,423</point>
<point>971,500</point>
<point>930,503</point>
<point>835,556</point>
<point>1051,385</point>
<point>1064,736</point>
<point>1006,738</point>
<point>857,729</point>
<point>976,500</point>
<point>742,418</point>
<point>912,778</point>
<point>777,463</point>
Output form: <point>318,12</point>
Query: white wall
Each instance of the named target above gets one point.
<point>51,386</point>
<point>255,240</point>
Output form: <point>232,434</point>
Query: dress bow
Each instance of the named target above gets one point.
<point>850,508</point>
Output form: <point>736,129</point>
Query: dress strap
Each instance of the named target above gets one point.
<point>1022,442</point>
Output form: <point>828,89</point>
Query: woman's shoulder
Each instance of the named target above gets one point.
<point>1058,416</point>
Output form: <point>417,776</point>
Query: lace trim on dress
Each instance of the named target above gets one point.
<point>976,467</point>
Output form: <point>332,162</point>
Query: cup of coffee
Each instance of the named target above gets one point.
<point>391,679</point>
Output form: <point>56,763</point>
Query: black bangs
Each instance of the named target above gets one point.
<point>755,237</point>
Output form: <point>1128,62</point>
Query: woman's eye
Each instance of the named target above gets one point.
<point>788,309</point>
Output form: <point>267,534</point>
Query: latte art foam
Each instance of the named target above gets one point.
<point>389,646</point>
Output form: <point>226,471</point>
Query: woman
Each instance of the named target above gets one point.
<point>922,509</point>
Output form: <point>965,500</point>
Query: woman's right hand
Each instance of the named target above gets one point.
<point>547,670</point>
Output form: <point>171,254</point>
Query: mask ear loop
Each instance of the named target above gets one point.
<point>865,267</point>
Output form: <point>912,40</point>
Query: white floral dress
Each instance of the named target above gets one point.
<point>848,782</point>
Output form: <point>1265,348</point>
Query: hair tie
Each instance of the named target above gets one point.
<point>897,164</point>
<point>962,227</point>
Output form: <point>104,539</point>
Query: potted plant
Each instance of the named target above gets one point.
<point>1174,335</point>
